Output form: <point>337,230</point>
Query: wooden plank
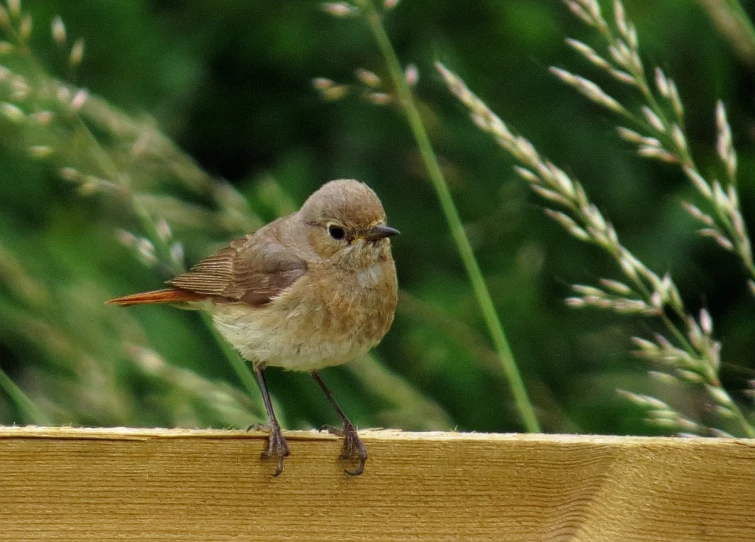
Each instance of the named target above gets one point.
<point>136,484</point>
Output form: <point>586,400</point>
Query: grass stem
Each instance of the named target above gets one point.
<point>22,401</point>
<point>521,398</point>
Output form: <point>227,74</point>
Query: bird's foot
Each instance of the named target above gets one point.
<point>277,447</point>
<point>353,447</point>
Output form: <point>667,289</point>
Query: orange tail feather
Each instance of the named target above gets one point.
<point>168,295</point>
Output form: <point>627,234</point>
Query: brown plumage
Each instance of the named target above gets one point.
<point>309,290</point>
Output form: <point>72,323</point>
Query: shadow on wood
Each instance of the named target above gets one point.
<point>136,484</point>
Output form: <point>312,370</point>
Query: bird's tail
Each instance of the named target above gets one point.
<point>168,295</point>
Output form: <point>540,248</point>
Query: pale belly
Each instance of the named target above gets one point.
<point>268,341</point>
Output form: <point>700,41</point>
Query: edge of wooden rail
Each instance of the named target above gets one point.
<point>368,434</point>
<point>67,483</point>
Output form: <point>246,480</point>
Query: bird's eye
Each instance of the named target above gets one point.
<point>336,232</point>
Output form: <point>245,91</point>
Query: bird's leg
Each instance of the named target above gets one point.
<point>276,444</point>
<point>352,444</point>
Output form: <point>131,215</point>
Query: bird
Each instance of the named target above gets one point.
<point>309,290</point>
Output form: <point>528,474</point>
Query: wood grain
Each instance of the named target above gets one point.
<point>136,484</point>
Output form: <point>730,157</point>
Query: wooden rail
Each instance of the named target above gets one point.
<point>140,484</point>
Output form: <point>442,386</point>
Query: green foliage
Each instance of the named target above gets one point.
<point>230,83</point>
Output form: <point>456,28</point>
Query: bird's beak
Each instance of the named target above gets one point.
<point>381,231</point>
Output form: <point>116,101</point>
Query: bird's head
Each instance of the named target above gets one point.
<point>346,222</point>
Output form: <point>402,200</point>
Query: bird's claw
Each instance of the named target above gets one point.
<point>258,427</point>
<point>353,447</point>
<point>276,447</point>
<point>332,429</point>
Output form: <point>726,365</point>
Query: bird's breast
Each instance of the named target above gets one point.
<point>360,304</point>
<point>371,277</point>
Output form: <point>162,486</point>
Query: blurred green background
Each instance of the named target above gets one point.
<point>229,81</point>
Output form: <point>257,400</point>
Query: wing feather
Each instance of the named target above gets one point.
<point>251,270</point>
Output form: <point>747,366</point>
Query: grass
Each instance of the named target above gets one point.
<point>476,279</point>
<point>76,361</point>
<point>107,154</point>
<point>691,355</point>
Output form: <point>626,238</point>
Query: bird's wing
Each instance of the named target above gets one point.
<point>251,270</point>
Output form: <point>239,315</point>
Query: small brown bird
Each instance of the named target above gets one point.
<point>309,290</point>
